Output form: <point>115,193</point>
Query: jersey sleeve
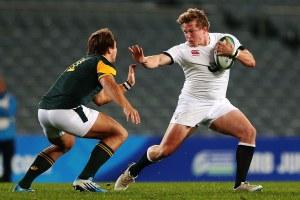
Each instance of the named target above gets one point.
<point>105,69</point>
<point>175,54</point>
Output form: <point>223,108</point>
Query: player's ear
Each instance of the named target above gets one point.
<point>109,50</point>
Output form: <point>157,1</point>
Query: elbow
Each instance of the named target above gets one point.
<point>251,63</point>
<point>97,101</point>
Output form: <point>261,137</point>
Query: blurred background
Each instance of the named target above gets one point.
<point>38,39</point>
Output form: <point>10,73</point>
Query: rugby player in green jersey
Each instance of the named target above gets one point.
<point>63,115</point>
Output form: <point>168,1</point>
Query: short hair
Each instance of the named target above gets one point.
<point>100,41</point>
<point>194,14</point>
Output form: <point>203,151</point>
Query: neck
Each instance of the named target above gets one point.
<point>204,42</point>
<point>207,41</point>
<point>107,58</point>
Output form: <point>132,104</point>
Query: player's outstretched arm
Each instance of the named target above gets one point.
<point>102,98</point>
<point>148,61</point>
<point>116,93</point>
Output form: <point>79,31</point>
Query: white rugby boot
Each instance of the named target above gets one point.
<point>124,180</point>
<point>245,186</point>
<point>18,188</point>
<point>87,185</point>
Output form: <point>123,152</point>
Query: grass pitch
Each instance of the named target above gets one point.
<point>160,190</point>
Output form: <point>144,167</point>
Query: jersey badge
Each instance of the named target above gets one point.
<point>195,52</point>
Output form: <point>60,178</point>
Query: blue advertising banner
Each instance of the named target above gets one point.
<point>198,159</point>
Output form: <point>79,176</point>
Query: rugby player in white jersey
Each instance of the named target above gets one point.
<point>202,99</point>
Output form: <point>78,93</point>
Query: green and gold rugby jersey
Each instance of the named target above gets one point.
<point>78,84</point>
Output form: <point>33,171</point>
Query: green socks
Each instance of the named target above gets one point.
<point>100,154</point>
<point>41,164</point>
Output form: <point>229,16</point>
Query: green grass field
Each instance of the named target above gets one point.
<point>170,190</point>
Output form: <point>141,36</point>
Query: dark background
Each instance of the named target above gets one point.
<point>38,39</point>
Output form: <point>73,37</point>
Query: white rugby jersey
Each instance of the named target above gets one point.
<point>199,82</point>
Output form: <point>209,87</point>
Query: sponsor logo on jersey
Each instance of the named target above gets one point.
<point>195,52</point>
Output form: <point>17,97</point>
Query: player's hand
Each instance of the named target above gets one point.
<point>132,115</point>
<point>131,74</point>
<point>137,53</point>
<point>224,48</point>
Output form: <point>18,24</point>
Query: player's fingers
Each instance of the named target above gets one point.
<point>132,68</point>
<point>126,114</point>
<point>136,117</point>
<point>131,73</point>
<point>130,49</point>
<point>138,51</point>
<point>133,119</point>
<point>133,47</point>
<point>130,117</point>
<point>136,47</point>
<point>219,53</point>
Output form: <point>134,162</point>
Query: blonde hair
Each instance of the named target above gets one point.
<point>194,14</point>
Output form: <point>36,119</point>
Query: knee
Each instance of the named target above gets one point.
<point>165,153</point>
<point>159,152</point>
<point>249,134</point>
<point>68,144</point>
<point>122,135</point>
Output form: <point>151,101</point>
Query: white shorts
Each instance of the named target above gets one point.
<point>193,112</point>
<point>77,121</point>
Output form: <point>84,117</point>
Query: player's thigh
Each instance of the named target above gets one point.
<point>106,126</point>
<point>174,136</point>
<point>234,123</point>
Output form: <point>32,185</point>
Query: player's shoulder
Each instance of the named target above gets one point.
<point>178,48</point>
<point>99,59</point>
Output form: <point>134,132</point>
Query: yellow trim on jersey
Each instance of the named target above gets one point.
<point>102,75</point>
<point>104,69</point>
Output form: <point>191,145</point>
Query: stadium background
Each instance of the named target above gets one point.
<point>40,38</point>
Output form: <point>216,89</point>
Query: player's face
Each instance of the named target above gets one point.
<point>195,35</point>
